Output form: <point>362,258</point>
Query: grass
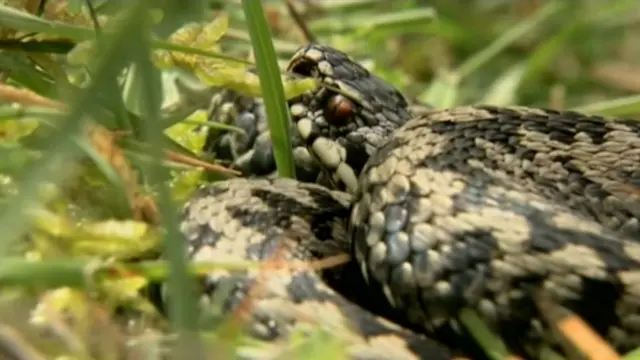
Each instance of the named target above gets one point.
<point>90,139</point>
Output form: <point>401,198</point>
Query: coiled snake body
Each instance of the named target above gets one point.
<point>490,208</point>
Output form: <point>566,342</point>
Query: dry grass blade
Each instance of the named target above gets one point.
<point>104,142</point>
<point>586,339</point>
<point>299,20</point>
<point>14,346</point>
<point>27,97</point>
<point>187,160</point>
<point>576,336</point>
<point>621,75</point>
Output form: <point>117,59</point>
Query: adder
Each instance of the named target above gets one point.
<point>496,209</point>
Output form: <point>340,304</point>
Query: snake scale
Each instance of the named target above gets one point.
<point>481,207</point>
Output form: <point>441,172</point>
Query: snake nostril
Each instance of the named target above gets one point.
<point>304,68</point>
<point>339,110</point>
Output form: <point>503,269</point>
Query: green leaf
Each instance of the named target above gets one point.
<point>122,239</point>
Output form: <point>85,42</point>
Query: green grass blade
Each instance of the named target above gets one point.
<point>8,112</point>
<point>633,355</point>
<point>22,71</point>
<point>342,6</point>
<point>271,85</point>
<point>50,274</point>
<point>443,92</point>
<point>503,91</point>
<point>626,106</point>
<point>490,343</point>
<point>145,82</point>
<point>540,60</point>
<point>517,32</point>
<point>366,23</point>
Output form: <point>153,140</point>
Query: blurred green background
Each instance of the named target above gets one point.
<point>558,54</point>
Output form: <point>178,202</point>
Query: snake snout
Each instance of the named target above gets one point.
<point>347,117</point>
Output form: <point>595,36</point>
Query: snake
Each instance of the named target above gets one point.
<point>250,151</point>
<point>488,208</point>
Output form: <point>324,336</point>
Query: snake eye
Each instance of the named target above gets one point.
<point>339,110</point>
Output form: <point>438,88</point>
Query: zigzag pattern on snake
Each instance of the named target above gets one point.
<point>482,207</point>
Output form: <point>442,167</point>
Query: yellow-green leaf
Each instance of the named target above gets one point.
<point>212,32</point>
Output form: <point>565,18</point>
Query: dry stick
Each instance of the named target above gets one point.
<point>586,339</point>
<point>182,159</point>
<point>300,22</point>
<point>14,346</point>
<point>187,160</point>
<point>28,97</point>
<point>574,333</point>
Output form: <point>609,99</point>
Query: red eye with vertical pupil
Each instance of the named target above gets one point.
<point>339,109</point>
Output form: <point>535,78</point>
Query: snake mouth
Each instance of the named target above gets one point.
<point>347,117</point>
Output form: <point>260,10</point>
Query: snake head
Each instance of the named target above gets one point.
<point>347,117</point>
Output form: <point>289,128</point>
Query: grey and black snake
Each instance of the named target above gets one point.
<point>480,207</point>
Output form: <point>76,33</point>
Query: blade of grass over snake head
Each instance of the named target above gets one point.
<point>271,84</point>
